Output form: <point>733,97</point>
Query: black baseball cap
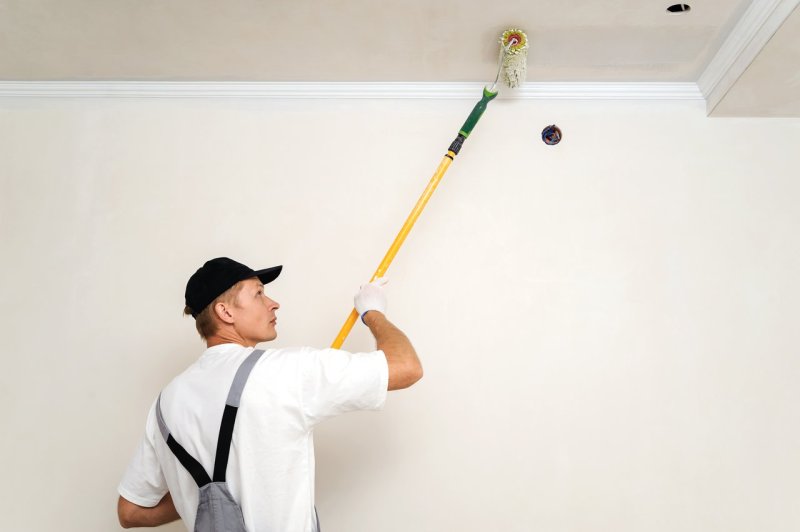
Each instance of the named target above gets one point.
<point>216,276</point>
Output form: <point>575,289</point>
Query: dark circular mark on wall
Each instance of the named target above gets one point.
<point>551,135</point>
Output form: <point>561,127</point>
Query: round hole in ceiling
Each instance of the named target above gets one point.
<point>679,8</point>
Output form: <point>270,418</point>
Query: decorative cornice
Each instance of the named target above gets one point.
<point>758,24</point>
<point>345,90</point>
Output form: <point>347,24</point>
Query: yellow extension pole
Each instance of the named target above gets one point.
<point>398,241</point>
<point>455,147</point>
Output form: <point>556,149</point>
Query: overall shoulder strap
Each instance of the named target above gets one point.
<point>192,466</point>
<point>229,415</point>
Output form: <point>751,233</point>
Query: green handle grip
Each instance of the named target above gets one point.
<point>477,112</point>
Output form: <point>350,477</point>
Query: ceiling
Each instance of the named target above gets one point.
<point>771,83</point>
<point>409,41</point>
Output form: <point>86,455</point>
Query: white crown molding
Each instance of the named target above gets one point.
<point>756,27</point>
<point>345,90</point>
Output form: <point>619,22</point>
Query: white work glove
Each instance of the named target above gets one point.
<point>371,297</point>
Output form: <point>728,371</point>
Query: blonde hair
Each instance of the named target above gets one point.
<point>206,322</point>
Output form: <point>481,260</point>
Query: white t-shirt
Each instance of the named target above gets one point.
<point>271,466</point>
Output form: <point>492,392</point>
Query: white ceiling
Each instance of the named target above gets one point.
<point>771,83</point>
<point>406,40</point>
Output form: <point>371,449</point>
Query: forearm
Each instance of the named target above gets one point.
<point>132,515</point>
<point>397,348</point>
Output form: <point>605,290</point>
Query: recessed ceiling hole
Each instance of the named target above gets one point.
<point>679,8</point>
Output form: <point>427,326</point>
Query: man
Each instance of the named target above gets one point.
<point>270,469</point>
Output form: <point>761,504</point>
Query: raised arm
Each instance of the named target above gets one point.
<point>404,366</point>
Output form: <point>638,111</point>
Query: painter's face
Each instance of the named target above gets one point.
<point>255,313</point>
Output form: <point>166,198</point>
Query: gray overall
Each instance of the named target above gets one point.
<point>216,509</point>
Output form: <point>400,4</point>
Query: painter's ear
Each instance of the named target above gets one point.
<point>221,310</point>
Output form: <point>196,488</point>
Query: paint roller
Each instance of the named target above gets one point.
<point>512,66</point>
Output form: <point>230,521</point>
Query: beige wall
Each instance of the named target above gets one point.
<point>608,327</point>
